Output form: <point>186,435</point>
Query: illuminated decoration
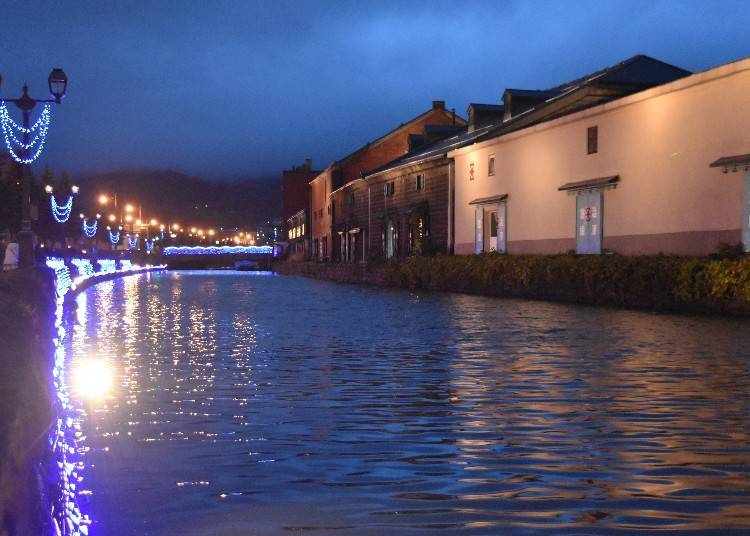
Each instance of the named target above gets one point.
<point>149,246</point>
<point>107,266</point>
<point>38,133</point>
<point>114,238</point>
<point>84,267</point>
<point>218,250</point>
<point>66,439</point>
<point>64,436</point>
<point>132,242</point>
<point>61,213</point>
<point>125,265</point>
<point>90,230</point>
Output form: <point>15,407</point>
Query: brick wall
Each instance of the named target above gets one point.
<point>406,196</point>
<point>350,168</point>
<point>295,190</point>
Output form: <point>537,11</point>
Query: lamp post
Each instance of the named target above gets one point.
<point>58,83</point>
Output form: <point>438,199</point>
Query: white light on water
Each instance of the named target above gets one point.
<point>92,378</point>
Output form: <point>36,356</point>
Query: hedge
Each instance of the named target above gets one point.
<point>659,282</point>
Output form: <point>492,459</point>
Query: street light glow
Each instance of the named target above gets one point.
<point>103,199</point>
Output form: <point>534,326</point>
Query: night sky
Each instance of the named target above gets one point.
<point>245,89</point>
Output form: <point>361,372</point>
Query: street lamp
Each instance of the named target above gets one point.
<point>58,84</point>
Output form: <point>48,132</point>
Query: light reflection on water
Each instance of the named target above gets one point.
<point>257,404</point>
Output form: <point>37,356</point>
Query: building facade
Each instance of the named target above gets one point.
<point>327,215</point>
<point>295,192</point>
<point>632,175</point>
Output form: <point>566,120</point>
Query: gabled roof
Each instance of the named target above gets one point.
<point>534,93</point>
<point>459,120</point>
<point>639,70</point>
<point>430,151</point>
<point>480,107</point>
<point>625,78</point>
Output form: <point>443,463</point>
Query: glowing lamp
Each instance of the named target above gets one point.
<point>58,84</point>
<point>48,189</point>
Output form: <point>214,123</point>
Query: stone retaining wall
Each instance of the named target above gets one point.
<point>27,309</point>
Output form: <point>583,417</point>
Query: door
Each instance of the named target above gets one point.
<point>479,229</point>
<point>746,211</point>
<point>501,228</point>
<point>492,230</point>
<point>588,222</point>
<point>390,231</point>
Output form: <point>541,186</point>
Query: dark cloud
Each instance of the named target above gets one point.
<point>246,88</point>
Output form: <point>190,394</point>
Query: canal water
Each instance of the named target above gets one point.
<point>239,403</point>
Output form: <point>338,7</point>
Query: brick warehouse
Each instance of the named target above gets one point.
<point>295,191</point>
<point>325,237</point>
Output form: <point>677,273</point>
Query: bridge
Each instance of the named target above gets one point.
<point>200,257</point>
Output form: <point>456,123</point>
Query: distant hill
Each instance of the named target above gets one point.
<point>176,197</point>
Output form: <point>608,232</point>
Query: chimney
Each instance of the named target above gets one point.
<point>308,164</point>
<point>438,105</point>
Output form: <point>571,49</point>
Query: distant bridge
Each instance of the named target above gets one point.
<point>217,256</point>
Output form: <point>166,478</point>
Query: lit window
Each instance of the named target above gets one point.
<point>389,188</point>
<point>491,165</point>
<point>420,182</point>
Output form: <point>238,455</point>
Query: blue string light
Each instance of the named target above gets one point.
<point>61,213</point>
<point>218,250</point>
<point>84,267</point>
<point>66,439</point>
<point>114,238</point>
<point>107,266</point>
<point>65,435</point>
<point>90,230</point>
<point>132,242</point>
<point>149,246</point>
<point>39,129</point>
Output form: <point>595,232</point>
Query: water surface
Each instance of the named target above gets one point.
<point>260,404</point>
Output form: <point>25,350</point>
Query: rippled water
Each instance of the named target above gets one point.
<point>258,404</point>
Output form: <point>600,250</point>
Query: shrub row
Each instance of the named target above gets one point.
<point>653,282</point>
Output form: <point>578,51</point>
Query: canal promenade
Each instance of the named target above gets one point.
<point>37,484</point>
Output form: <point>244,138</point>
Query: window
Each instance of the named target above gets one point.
<point>351,201</point>
<point>389,188</point>
<point>592,136</point>
<point>491,165</point>
<point>420,182</point>
<point>329,208</point>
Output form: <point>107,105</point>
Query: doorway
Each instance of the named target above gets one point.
<point>589,222</point>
